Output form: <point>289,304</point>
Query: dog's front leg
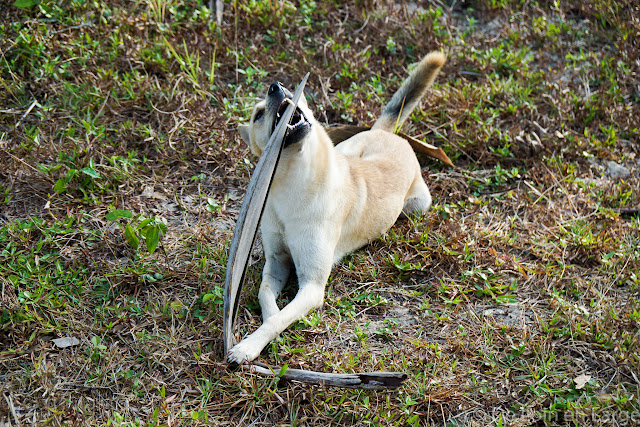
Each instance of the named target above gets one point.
<point>311,279</point>
<point>308,297</point>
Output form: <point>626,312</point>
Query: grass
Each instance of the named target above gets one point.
<point>513,301</point>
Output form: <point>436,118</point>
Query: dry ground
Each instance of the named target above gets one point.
<point>514,301</point>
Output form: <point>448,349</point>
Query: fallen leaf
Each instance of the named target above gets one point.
<point>66,342</point>
<point>581,380</point>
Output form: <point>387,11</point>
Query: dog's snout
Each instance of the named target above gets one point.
<point>276,87</point>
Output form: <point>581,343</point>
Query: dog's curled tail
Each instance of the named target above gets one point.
<point>410,93</point>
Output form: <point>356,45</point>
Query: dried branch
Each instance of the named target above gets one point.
<point>365,380</point>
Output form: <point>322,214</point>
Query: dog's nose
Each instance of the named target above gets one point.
<point>276,87</point>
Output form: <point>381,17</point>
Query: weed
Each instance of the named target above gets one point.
<point>151,229</point>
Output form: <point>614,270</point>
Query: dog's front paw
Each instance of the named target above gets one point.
<point>243,352</point>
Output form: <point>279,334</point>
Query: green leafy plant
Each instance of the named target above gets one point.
<point>25,4</point>
<point>486,283</point>
<point>97,349</point>
<point>87,178</point>
<point>151,229</point>
<point>214,206</point>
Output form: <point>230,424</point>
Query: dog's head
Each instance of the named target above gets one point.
<point>267,114</point>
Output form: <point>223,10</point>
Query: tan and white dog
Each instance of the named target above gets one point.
<point>327,201</point>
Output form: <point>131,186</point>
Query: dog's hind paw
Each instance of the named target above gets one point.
<point>243,352</point>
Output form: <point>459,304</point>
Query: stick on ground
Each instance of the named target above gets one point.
<point>366,380</point>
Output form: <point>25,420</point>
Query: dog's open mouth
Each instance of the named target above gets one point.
<point>297,122</point>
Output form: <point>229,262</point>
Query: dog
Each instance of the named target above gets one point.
<point>327,201</point>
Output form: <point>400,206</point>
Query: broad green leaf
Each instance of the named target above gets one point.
<point>131,237</point>
<point>144,223</point>
<point>283,369</point>
<point>153,238</point>
<point>25,4</point>
<point>60,186</point>
<point>70,174</point>
<point>92,173</point>
<point>119,213</point>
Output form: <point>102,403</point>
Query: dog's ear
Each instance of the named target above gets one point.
<point>244,133</point>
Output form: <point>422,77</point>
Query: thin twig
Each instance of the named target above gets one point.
<point>26,113</point>
<point>12,408</point>
<point>19,160</point>
<point>366,21</point>
<point>74,27</point>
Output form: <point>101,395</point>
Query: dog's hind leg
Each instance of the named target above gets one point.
<point>418,198</point>
<point>274,276</point>
<point>276,268</point>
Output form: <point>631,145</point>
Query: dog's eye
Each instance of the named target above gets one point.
<point>259,115</point>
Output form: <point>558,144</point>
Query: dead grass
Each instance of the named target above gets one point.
<point>514,301</point>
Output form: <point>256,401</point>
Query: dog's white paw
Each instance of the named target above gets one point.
<point>245,351</point>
